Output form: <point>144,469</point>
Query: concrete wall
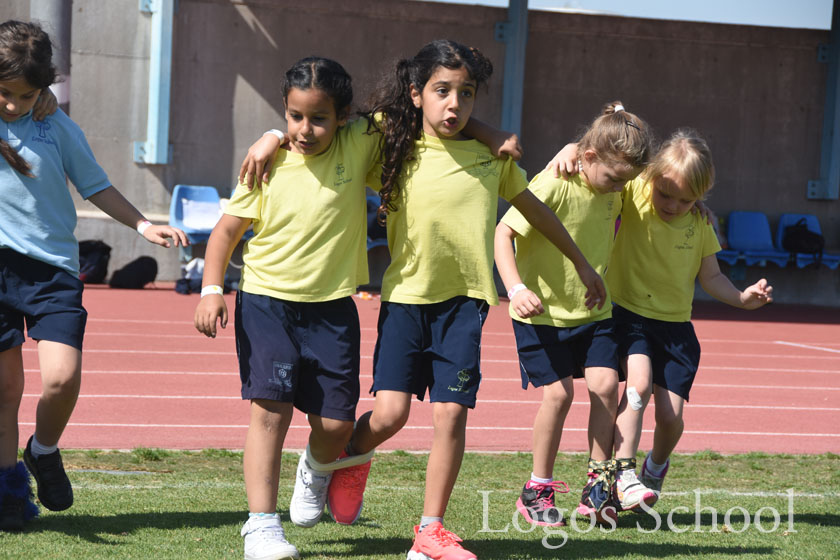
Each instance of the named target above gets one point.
<point>756,94</point>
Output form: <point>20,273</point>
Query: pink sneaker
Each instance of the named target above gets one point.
<point>346,493</point>
<point>436,543</point>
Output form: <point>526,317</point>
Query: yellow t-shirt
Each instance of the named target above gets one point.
<point>441,235</point>
<point>589,218</point>
<point>310,241</point>
<point>655,263</point>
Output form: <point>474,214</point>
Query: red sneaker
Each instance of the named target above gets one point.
<point>436,543</point>
<point>346,493</point>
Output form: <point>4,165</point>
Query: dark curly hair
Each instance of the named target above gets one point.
<point>401,122</point>
<point>25,52</point>
<point>324,74</point>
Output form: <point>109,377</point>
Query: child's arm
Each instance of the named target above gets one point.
<point>525,302</point>
<point>260,158</point>
<point>223,239</point>
<point>717,285</point>
<point>565,163</point>
<point>546,222</point>
<point>502,144</point>
<point>115,205</point>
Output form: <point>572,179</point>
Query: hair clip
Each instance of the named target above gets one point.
<point>631,123</point>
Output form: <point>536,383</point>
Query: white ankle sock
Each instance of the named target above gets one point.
<point>424,520</point>
<point>540,480</point>
<point>38,449</point>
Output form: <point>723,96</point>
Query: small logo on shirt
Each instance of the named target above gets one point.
<point>43,127</point>
<point>340,179</point>
<point>688,242</point>
<point>485,165</point>
<point>463,379</point>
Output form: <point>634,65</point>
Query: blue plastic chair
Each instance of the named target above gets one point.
<point>749,234</point>
<point>195,210</point>
<point>832,261</point>
<point>729,256</point>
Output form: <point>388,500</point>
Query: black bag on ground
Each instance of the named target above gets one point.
<point>135,274</point>
<point>797,238</point>
<point>93,261</point>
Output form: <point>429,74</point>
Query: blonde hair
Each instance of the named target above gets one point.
<point>618,136</point>
<point>688,155</point>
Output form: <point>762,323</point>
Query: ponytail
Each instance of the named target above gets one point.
<point>15,160</point>
<point>617,135</point>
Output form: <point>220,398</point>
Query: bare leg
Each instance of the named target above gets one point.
<point>548,424</point>
<point>628,424</point>
<point>602,384</point>
<point>263,449</point>
<point>669,424</point>
<point>389,415</point>
<point>11,391</point>
<point>450,421</point>
<point>328,438</point>
<point>61,376</point>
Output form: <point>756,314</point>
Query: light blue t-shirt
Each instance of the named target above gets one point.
<point>37,216</point>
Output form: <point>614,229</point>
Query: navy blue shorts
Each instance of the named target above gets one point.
<point>672,347</point>
<point>305,353</point>
<point>548,353</point>
<point>434,346</point>
<point>47,299</point>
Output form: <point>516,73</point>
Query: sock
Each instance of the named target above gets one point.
<point>38,449</point>
<point>261,515</point>
<point>655,469</point>
<point>428,520</point>
<point>539,480</point>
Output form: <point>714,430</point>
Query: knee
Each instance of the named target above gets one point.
<point>389,420</point>
<point>11,390</point>
<point>337,430</point>
<point>558,396</point>
<point>62,381</point>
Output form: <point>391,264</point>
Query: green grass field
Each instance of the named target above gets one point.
<point>154,504</point>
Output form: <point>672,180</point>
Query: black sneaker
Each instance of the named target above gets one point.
<point>54,489</point>
<point>536,503</point>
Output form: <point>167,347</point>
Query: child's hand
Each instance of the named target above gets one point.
<point>596,294</point>
<point>757,295</point>
<point>705,211</point>
<point>565,163</point>
<point>159,235</point>
<point>510,147</point>
<point>259,160</point>
<point>211,308</point>
<point>45,106</point>
<point>526,303</point>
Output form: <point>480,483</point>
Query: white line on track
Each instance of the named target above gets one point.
<point>481,401</point>
<point>469,428</point>
<point>808,346</point>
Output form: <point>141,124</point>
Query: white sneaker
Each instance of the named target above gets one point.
<point>631,492</point>
<point>265,539</point>
<point>310,496</point>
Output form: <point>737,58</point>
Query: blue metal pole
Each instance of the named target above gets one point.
<point>155,149</point>
<point>827,187</point>
<point>514,33</point>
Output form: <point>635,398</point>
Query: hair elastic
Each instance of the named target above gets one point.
<point>516,289</point>
<point>618,108</point>
<point>211,289</point>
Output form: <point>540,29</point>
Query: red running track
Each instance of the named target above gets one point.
<point>769,381</point>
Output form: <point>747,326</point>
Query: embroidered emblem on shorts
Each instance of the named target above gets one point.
<point>463,379</point>
<point>282,376</point>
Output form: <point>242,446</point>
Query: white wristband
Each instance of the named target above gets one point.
<point>212,289</point>
<point>278,133</point>
<point>143,226</point>
<point>516,289</point>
